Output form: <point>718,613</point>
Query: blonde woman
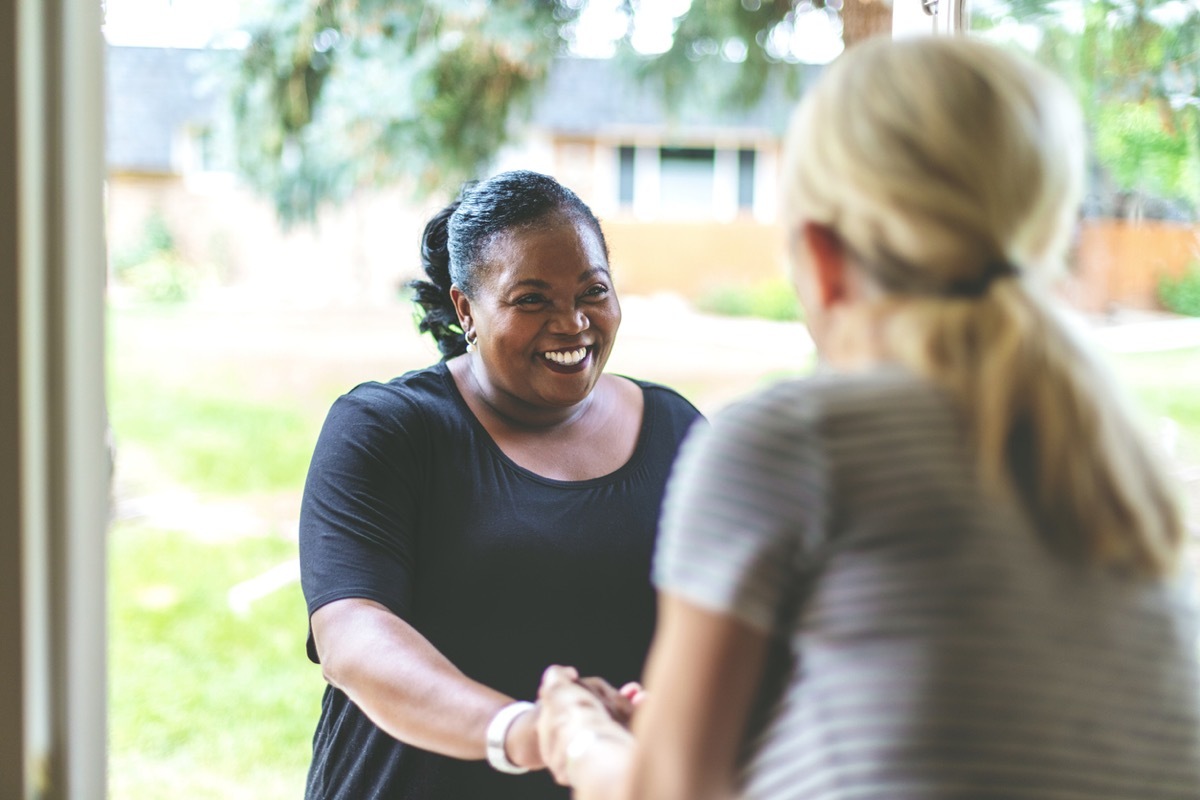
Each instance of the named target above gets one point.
<point>947,566</point>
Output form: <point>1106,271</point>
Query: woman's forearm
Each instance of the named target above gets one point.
<point>408,688</point>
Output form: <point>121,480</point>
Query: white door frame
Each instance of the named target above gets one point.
<point>54,470</point>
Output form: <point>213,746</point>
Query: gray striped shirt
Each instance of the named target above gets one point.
<point>929,646</point>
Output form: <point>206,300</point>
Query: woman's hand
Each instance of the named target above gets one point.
<point>575,716</point>
<point>619,703</point>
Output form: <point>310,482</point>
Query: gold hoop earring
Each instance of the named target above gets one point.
<point>471,341</point>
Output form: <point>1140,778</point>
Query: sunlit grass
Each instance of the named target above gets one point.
<point>205,703</point>
<point>211,443</point>
<point>201,428</point>
<point>1167,384</point>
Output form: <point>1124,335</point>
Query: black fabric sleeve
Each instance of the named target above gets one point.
<point>359,511</point>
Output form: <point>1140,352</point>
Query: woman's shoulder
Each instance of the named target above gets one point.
<point>416,392</point>
<point>826,399</point>
<point>416,383</point>
<point>661,395</point>
<point>667,416</point>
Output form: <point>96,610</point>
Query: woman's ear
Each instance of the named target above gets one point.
<point>462,307</point>
<point>829,263</point>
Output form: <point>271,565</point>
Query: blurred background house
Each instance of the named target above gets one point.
<point>687,198</point>
<point>687,195</point>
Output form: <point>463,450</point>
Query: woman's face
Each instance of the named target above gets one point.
<point>546,315</point>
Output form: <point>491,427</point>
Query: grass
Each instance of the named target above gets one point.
<point>1167,384</point>
<point>205,703</point>
<point>211,443</point>
<point>209,704</point>
<point>199,422</point>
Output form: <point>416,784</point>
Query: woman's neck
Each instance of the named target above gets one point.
<point>513,412</point>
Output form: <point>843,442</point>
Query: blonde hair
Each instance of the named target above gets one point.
<point>951,171</point>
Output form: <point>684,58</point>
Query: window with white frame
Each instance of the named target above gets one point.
<point>682,183</point>
<point>686,181</point>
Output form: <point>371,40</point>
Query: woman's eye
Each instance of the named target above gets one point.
<point>530,300</point>
<point>597,291</point>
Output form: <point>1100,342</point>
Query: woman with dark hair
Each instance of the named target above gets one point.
<point>466,524</point>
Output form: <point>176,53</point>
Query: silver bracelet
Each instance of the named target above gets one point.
<point>497,732</point>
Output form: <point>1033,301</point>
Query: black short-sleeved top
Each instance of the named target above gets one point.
<point>409,502</point>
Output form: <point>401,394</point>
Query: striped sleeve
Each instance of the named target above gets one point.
<point>745,494</point>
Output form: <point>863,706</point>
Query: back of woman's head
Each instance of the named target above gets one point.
<point>951,172</point>
<point>454,246</point>
<point>938,159</point>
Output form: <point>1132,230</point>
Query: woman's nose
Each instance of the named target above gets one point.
<point>570,321</point>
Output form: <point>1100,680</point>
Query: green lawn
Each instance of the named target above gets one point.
<point>206,703</point>
<point>211,442</point>
<point>1167,384</point>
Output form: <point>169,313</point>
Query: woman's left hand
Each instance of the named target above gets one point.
<point>572,717</point>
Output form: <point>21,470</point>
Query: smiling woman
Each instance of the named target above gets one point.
<point>467,524</point>
<point>543,323</point>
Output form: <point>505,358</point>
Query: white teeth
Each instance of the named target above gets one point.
<point>568,358</point>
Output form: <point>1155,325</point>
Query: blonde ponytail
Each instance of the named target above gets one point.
<point>1046,423</point>
<point>931,183</point>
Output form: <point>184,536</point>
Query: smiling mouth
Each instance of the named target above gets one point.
<point>566,358</point>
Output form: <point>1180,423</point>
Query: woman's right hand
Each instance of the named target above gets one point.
<point>573,711</point>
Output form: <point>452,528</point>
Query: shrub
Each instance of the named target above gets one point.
<point>774,299</point>
<point>1182,294</point>
<point>152,268</point>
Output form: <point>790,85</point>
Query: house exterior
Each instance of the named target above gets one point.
<point>170,166</point>
<point>687,197</point>
<point>687,200</point>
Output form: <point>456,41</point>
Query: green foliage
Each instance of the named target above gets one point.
<point>775,300</point>
<point>152,268</point>
<point>156,239</point>
<point>1182,294</point>
<point>163,278</point>
<point>714,35</point>
<point>1133,65</point>
<point>334,95</point>
<point>1142,154</point>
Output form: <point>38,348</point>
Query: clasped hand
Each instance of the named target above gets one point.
<point>576,712</point>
